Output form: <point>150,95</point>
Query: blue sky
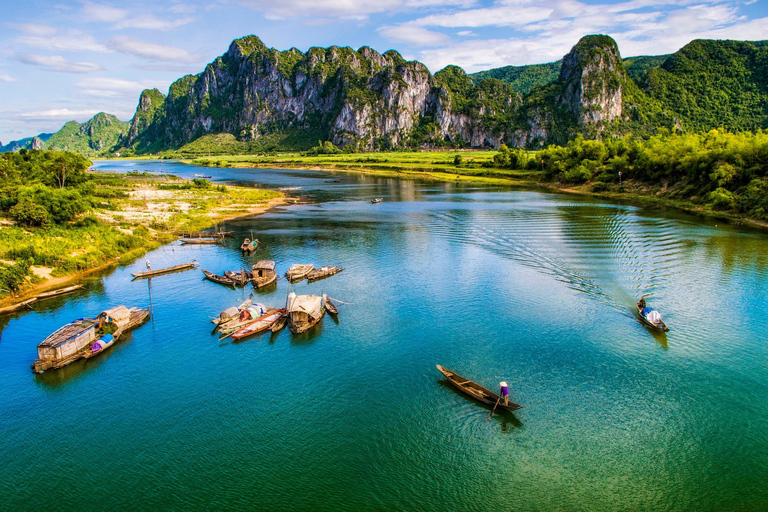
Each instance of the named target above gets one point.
<point>70,59</point>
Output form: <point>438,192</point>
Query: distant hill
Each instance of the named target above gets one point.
<point>27,143</point>
<point>99,134</point>
<point>523,79</point>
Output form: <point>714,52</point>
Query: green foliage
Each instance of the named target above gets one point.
<point>201,183</point>
<point>724,171</point>
<point>29,214</point>
<point>13,276</point>
<point>324,148</point>
<point>523,79</point>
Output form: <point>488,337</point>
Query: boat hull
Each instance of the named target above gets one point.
<point>476,391</point>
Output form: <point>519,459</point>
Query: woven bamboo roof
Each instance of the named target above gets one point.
<point>67,332</point>
<point>264,265</point>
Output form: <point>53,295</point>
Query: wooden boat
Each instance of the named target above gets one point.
<point>299,271</point>
<point>322,272</point>
<point>248,245</point>
<point>42,296</point>
<point>260,324</point>
<point>60,291</point>
<point>245,317</point>
<point>218,279</point>
<point>240,277</point>
<point>86,337</point>
<point>304,312</point>
<point>200,241</point>
<point>475,390</point>
<point>230,313</point>
<point>167,270</point>
<point>263,273</point>
<point>377,200</point>
<point>280,324</point>
<point>204,234</point>
<point>660,326</point>
<point>330,306</point>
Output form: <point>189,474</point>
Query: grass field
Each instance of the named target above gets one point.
<point>438,165</point>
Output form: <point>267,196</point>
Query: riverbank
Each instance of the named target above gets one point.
<point>441,166</point>
<point>137,213</point>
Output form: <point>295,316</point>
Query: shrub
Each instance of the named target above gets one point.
<point>721,199</point>
<point>201,183</point>
<point>599,187</point>
<point>578,174</point>
<point>30,214</point>
<point>13,276</point>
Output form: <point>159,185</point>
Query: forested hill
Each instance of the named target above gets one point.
<point>261,99</point>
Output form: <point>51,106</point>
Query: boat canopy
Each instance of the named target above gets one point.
<point>309,304</point>
<point>264,265</point>
<point>68,332</point>
<point>116,314</point>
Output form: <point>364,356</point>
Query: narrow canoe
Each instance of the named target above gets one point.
<point>330,306</point>
<point>299,271</point>
<point>662,327</point>
<point>260,324</point>
<point>60,291</point>
<point>218,279</point>
<point>240,277</point>
<point>280,324</point>
<point>200,241</point>
<point>475,390</point>
<point>320,273</point>
<point>151,273</point>
<point>376,200</point>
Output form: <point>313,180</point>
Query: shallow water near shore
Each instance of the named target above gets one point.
<point>534,288</point>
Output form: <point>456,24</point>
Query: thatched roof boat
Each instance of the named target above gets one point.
<point>218,279</point>
<point>299,271</point>
<point>330,306</point>
<point>86,337</point>
<point>263,273</point>
<point>304,312</point>
<point>320,273</point>
<point>167,270</point>
<point>475,390</point>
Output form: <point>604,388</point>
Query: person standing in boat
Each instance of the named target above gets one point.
<point>504,393</point>
<point>149,267</point>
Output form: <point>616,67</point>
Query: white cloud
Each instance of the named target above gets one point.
<point>6,78</point>
<point>122,18</point>
<point>503,16</point>
<point>61,113</point>
<point>105,87</point>
<point>342,9</point>
<point>417,36</point>
<point>74,40</point>
<point>58,63</point>
<point>34,29</point>
<point>151,51</point>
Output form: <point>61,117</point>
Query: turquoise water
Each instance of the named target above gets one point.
<point>533,288</point>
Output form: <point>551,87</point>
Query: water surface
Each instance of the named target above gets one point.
<point>534,288</point>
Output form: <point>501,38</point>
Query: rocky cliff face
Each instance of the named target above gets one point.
<point>592,75</point>
<point>100,133</point>
<point>376,101</point>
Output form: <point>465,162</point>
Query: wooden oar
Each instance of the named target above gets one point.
<point>494,409</point>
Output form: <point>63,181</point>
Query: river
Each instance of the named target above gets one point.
<point>534,288</point>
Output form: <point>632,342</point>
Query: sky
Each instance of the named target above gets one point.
<point>68,60</point>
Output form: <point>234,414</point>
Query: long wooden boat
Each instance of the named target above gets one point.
<point>263,274</point>
<point>304,312</point>
<point>167,270</point>
<point>376,200</point>
<point>218,279</point>
<point>260,324</point>
<point>330,306</point>
<point>86,337</point>
<point>245,317</point>
<point>320,273</point>
<point>204,234</point>
<point>241,277</point>
<point>60,291</point>
<point>299,271</point>
<point>201,241</point>
<point>475,390</point>
<point>661,326</point>
<point>42,296</point>
<point>249,245</point>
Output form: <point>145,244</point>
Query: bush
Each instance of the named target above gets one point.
<point>201,183</point>
<point>577,175</point>
<point>63,205</point>
<point>13,276</point>
<point>721,199</point>
<point>458,160</point>
<point>599,187</point>
<point>30,214</point>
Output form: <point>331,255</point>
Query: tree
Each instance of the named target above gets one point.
<point>67,168</point>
